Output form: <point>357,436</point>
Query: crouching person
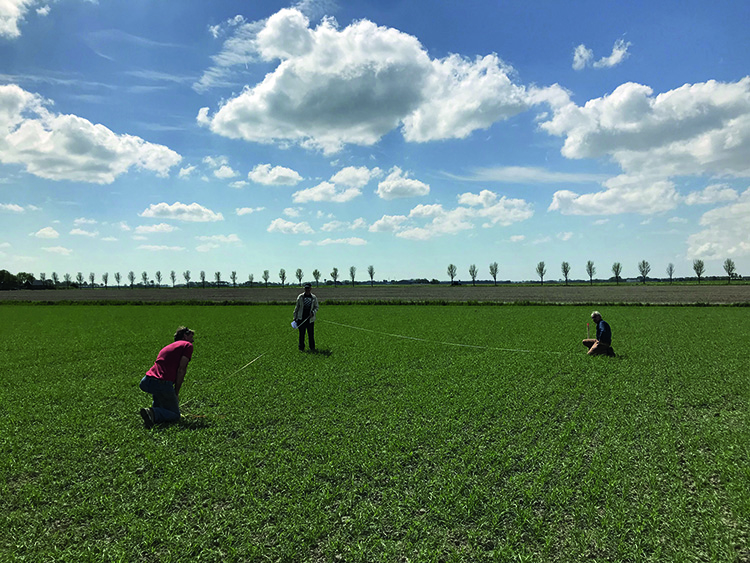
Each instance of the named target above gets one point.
<point>602,344</point>
<point>164,380</point>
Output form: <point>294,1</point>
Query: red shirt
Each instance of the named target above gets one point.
<point>168,361</point>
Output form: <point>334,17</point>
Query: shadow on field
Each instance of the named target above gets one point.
<point>319,352</point>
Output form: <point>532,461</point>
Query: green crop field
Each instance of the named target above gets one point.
<point>485,434</point>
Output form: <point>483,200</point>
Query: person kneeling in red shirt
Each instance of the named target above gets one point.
<point>165,378</point>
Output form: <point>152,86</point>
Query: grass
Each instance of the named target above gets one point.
<point>380,448</point>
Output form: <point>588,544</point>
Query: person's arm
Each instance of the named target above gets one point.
<point>181,374</point>
<point>296,309</point>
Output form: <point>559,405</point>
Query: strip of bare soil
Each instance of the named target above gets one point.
<point>584,294</point>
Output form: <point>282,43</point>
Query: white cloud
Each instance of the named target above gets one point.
<point>359,223</point>
<point>84,221</point>
<point>565,236</point>
<point>58,250</point>
<point>334,86</point>
<point>239,184</point>
<point>225,172</point>
<point>216,161</point>
<point>715,193</point>
<point>497,210</point>
<point>123,226</point>
<point>351,241</point>
<point>696,129</point>
<point>388,224</point>
<point>5,245</point>
<point>527,175</point>
<point>43,11</point>
<point>517,238</point>
<point>726,232</point>
<point>622,194</point>
<point>582,57</point>
<point>160,248</point>
<point>292,211</point>
<point>326,191</point>
<point>109,239</point>
<point>83,233</point>
<point>247,210</point>
<point>46,232</point>
<point>182,212</point>
<point>152,229</point>
<point>288,227</point>
<point>220,239</point>
<point>355,177</point>
<point>209,246</point>
<point>397,185</point>
<point>68,147</point>
<point>274,176</point>
<point>12,207</point>
<point>187,171</point>
<point>11,14</point>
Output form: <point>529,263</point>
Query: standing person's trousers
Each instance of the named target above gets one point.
<point>310,329</point>
<point>166,406</point>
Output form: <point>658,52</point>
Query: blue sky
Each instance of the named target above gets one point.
<point>406,135</point>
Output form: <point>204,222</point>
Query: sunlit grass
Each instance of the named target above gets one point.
<point>380,448</point>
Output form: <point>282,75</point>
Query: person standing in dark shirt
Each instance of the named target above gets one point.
<point>602,344</point>
<point>304,316</point>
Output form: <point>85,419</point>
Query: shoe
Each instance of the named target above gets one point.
<point>148,417</point>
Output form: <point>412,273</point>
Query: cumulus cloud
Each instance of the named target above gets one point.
<point>274,176</point>
<point>12,13</point>
<point>517,238</point>
<point>622,194</point>
<point>84,221</point>
<point>68,147</point>
<point>397,185</point>
<point>292,211</point>
<point>46,232</point>
<point>334,86</point>
<point>225,172</point>
<point>696,129</point>
<point>153,229</point>
<point>355,177</point>
<point>221,239</point>
<point>715,193</point>
<point>326,191</point>
<point>726,231</point>
<point>84,233</point>
<point>359,223</point>
<point>351,241</point>
<point>58,250</point>
<point>12,207</point>
<point>187,171</point>
<point>160,248</point>
<point>247,210</point>
<point>565,236</point>
<point>388,224</point>
<point>583,56</point>
<point>239,184</point>
<point>289,228</point>
<point>181,212</point>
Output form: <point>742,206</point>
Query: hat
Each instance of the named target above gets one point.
<point>308,284</point>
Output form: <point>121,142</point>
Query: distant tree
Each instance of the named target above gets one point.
<point>699,267</point>
<point>670,271</point>
<point>565,267</point>
<point>186,275</point>
<point>79,279</point>
<point>7,280</point>
<point>282,276</point>
<point>203,278</point>
<point>55,278</point>
<point>92,277</point>
<point>371,273</point>
<point>266,275</point>
<point>473,274</point>
<point>617,270</point>
<point>117,278</point>
<point>250,278</point>
<point>352,273</point>
<point>730,269</point>
<point>131,278</point>
<point>144,278</point>
<point>452,272</point>
<point>105,279</point>
<point>493,271</point>
<point>23,277</point>
<point>299,274</point>
<point>233,277</point>
<point>644,268</point>
<point>591,271</point>
<point>157,275</point>
<point>43,276</point>
<point>217,277</point>
<point>335,276</point>
<point>316,275</point>
<point>66,277</point>
<point>541,270</point>
<point>173,277</point>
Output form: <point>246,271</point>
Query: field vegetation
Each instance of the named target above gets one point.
<point>419,433</point>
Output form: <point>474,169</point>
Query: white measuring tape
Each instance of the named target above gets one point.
<point>442,343</point>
